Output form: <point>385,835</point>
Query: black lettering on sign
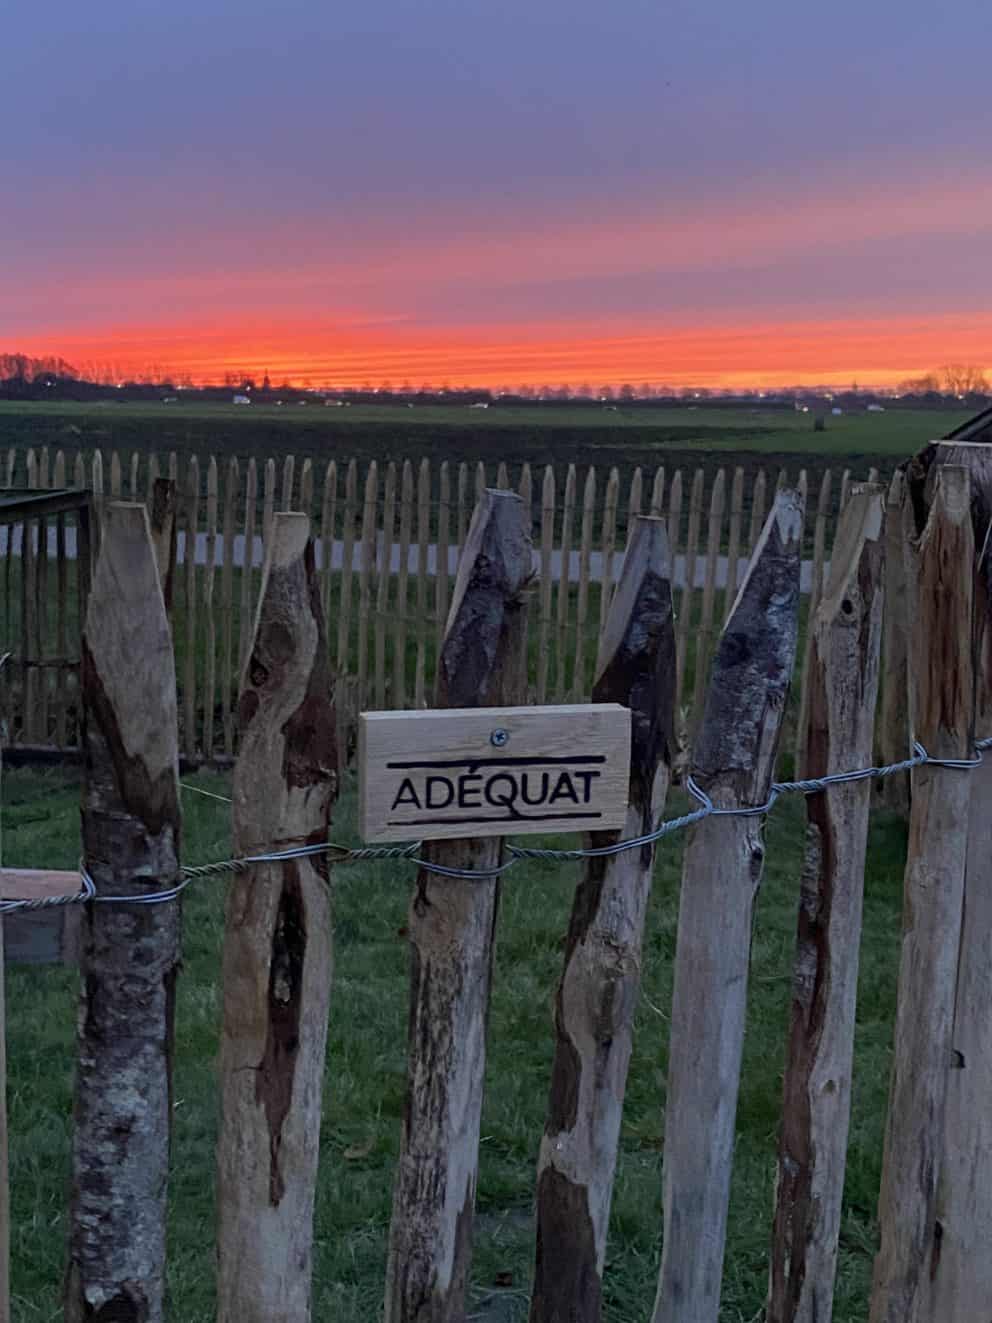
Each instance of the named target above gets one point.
<point>511,786</point>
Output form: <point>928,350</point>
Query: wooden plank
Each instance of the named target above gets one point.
<point>79,471</point>
<point>704,634</point>
<point>634,499</point>
<point>423,541</point>
<point>135,495</point>
<point>209,618</point>
<point>115,475</point>
<point>609,547</point>
<point>153,474</point>
<point>228,684</point>
<point>845,634</point>
<point>192,512</point>
<point>347,567</point>
<point>402,580</point>
<point>502,477</point>
<point>29,630</point>
<point>816,591</point>
<point>526,490</point>
<point>441,568</point>
<point>582,601</point>
<point>366,571</point>
<point>277,950</point>
<point>481,771</point>
<point>598,991</point>
<point>547,548</point>
<point>892,792</point>
<point>328,509</point>
<point>451,927</point>
<point>480,482</point>
<point>733,762</point>
<point>941,671</point>
<point>41,623</point>
<point>845,487</point>
<point>565,584</point>
<point>288,475</point>
<point>385,577</point>
<point>130,952</point>
<point>247,570</point>
<point>688,594</point>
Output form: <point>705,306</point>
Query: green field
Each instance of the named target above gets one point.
<point>365,1076</point>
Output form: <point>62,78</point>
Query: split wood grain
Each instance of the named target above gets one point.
<point>733,762</point>
<point>277,949</point>
<point>599,987</point>
<point>451,928</point>
<point>941,671</point>
<point>845,636</point>
<point>130,953</point>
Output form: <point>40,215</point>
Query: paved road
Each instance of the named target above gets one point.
<point>337,559</point>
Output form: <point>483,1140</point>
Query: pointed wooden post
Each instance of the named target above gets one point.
<point>277,948</point>
<point>941,672</point>
<point>844,638</point>
<point>163,530</point>
<point>597,995</point>
<point>130,952</point>
<point>451,927</point>
<point>960,1283</point>
<point>733,763</point>
<point>892,792</point>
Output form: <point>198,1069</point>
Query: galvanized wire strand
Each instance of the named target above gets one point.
<point>344,854</point>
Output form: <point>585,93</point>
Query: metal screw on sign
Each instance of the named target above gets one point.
<point>499,737</point>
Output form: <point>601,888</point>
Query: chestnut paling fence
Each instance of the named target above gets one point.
<point>925,558</point>
<point>388,539</point>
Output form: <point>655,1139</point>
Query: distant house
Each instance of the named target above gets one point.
<point>241,399</point>
<point>875,408</point>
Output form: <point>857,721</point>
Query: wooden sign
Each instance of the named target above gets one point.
<point>498,771</point>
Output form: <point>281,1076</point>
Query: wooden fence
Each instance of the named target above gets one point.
<point>388,540</point>
<point>935,1207</point>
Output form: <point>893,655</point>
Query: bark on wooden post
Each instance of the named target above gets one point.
<point>960,1286</point>
<point>941,671</point>
<point>733,763</point>
<point>597,995</point>
<point>892,792</point>
<point>451,938</point>
<point>277,948</point>
<point>130,952</point>
<point>842,689</point>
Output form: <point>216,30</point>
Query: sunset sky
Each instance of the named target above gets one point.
<point>667,191</point>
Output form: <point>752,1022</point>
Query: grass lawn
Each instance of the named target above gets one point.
<point>366,1076</point>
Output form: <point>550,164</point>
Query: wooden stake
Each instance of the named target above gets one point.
<point>61,615</point>
<point>597,995</point>
<point>385,575</point>
<point>306,487</point>
<point>189,679</point>
<point>689,585</point>
<point>892,792</point>
<point>941,671</point>
<point>347,569</point>
<point>565,584</point>
<point>288,474</point>
<point>816,591</point>
<point>733,762</point>
<point>757,510</point>
<point>609,548</point>
<point>582,605</point>
<point>210,641</point>
<point>115,475</point>
<point>658,492</point>
<point>704,633</point>
<point>328,509</point>
<point>268,503</point>
<point>130,952</point>
<point>277,949</point>
<point>463,509</point>
<point>247,566</point>
<point>399,644</point>
<point>547,548</point>
<point>441,565</point>
<point>845,635</point>
<point>451,928</point>
<point>162,525</point>
<point>366,571</point>
<point>734,542</point>
<point>423,540</point>
<point>232,485</point>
